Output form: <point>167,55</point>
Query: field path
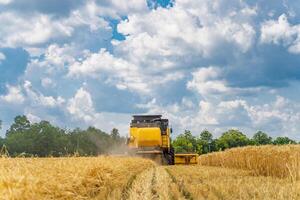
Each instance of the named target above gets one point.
<point>157,184</point>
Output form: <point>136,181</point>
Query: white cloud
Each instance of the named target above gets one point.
<point>58,56</point>
<point>56,60</point>
<point>281,32</point>
<point>206,81</point>
<point>2,57</point>
<point>33,30</point>
<point>173,61</point>
<point>88,15</point>
<point>179,32</point>
<point>104,66</point>
<point>14,95</point>
<point>38,29</point>
<point>37,98</point>
<point>220,114</point>
<point>277,31</point>
<point>47,83</point>
<point>5,2</point>
<point>116,8</point>
<point>278,118</point>
<point>209,83</point>
<point>81,106</point>
<point>32,118</point>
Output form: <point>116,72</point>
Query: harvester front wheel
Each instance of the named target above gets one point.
<point>172,156</point>
<point>169,156</point>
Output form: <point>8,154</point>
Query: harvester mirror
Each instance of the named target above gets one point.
<point>171,130</point>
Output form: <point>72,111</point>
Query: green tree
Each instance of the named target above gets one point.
<point>50,140</point>
<point>206,136</point>
<point>2,141</point>
<point>115,135</point>
<point>185,143</point>
<point>81,143</point>
<point>44,139</point>
<point>205,142</point>
<point>21,124</point>
<point>232,138</point>
<point>261,138</point>
<point>283,140</point>
<point>41,139</point>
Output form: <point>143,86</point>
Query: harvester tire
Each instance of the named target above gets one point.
<point>172,156</point>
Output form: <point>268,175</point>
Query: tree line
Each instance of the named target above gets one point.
<point>44,139</point>
<point>24,138</point>
<point>205,143</point>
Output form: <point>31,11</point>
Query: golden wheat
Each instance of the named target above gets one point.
<point>201,182</point>
<point>268,172</point>
<point>278,161</point>
<point>155,184</point>
<point>68,178</point>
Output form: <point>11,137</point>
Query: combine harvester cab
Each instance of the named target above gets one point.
<point>149,137</point>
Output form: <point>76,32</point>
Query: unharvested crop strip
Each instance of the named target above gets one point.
<point>125,191</point>
<point>125,194</point>
<point>182,189</point>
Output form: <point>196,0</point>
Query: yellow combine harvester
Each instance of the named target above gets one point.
<point>149,137</point>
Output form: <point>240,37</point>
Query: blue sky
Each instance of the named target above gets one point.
<point>203,64</point>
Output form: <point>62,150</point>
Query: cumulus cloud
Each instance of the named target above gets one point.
<point>179,32</point>
<point>34,30</point>
<point>117,9</point>
<point>119,72</point>
<point>106,67</point>
<point>209,82</point>
<point>81,108</point>
<point>18,31</point>
<point>281,114</point>
<point>33,26</point>
<point>14,95</point>
<point>202,64</point>
<point>37,98</point>
<point>281,32</point>
<point>32,118</point>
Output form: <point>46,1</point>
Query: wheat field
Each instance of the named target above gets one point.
<point>68,178</point>
<point>268,172</point>
<point>277,161</point>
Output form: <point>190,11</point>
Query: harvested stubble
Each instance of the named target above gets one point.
<point>154,184</point>
<point>276,161</point>
<point>67,178</point>
<point>213,183</point>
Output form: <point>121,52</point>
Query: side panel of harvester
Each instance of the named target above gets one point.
<point>145,137</point>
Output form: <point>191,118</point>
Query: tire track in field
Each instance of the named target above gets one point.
<point>153,184</point>
<point>127,189</point>
<point>166,187</point>
<point>141,187</point>
<point>207,188</point>
<point>185,193</point>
